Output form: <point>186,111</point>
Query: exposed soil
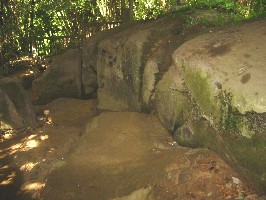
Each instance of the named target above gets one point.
<point>118,156</point>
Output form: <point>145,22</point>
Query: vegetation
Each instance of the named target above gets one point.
<point>31,27</point>
<point>231,119</point>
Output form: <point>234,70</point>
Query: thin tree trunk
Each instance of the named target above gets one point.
<point>131,10</point>
<point>123,10</point>
<point>2,13</point>
<point>32,36</point>
<point>1,38</point>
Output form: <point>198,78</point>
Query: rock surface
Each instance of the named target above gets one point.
<point>223,72</point>
<point>73,112</point>
<point>73,73</point>
<point>120,156</point>
<point>126,156</point>
<point>232,59</point>
<point>89,61</point>
<point>206,84</point>
<point>16,110</point>
<point>61,79</point>
<point>211,84</point>
<point>129,64</point>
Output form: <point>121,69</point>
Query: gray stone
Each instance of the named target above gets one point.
<point>89,64</point>
<point>172,103</point>
<point>149,81</point>
<point>119,68</point>
<point>216,85</point>
<point>130,62</point>
<point>89,58</point>
<point>224,73</point>
<point>16,109</point>
<point>231,59</point>
<point>61,79</point>
<point>184,136</point>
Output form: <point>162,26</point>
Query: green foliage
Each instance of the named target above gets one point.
<point>222,4</point>
<point>25,24</point>
<point>148,9</point>
<point>244,8</point>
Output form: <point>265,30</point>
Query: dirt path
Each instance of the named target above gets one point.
<point>118,156</point>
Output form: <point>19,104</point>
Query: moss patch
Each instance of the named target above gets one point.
<point>239,138</point>
<point>198,84</point>
<point>231,120</point>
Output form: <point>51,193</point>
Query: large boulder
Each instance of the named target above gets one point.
<point>61,79</point>
<point>89,58</point>
<point>222,75</point>
<point>172,101</point>
<point>16,110</point>
<point>129,64</point>
<point>208,89</point>
<point>119,71</point>
<point>231,60</point>
<point>73,73</point>
<point>89,61</point>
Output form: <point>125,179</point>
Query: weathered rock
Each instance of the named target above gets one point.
<point>131,62</point>
<point>184,135</point>
<point>119,71</point>
<point>26,80</point>
<point>129,65</point>
<point>89,64</point>
<point>61,79</point>
<point>216,87</point>
<point>234,63</point>
<point>89,58</point>
<point>172,101</point>
<point>150,73</point>
<point>223,72</point>
<point>16,109</point>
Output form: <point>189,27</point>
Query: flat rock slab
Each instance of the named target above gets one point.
<point>69,111</point>
<point>132,156</point>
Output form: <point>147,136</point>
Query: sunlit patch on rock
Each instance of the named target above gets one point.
<point>44,137</point>
<point>33,189</point>
<point>28,166</point>
<point>9,179</point>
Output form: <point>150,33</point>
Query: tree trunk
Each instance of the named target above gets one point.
<point>2,13</point>
<point>131,13</point>
<point>1,64</point>
<point>32,36</point>
<point>123,10</point>
<point>1,38</point>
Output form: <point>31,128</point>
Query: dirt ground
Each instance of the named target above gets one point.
<point>81,153</point>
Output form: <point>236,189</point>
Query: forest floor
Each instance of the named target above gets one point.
<point>81,153</point>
